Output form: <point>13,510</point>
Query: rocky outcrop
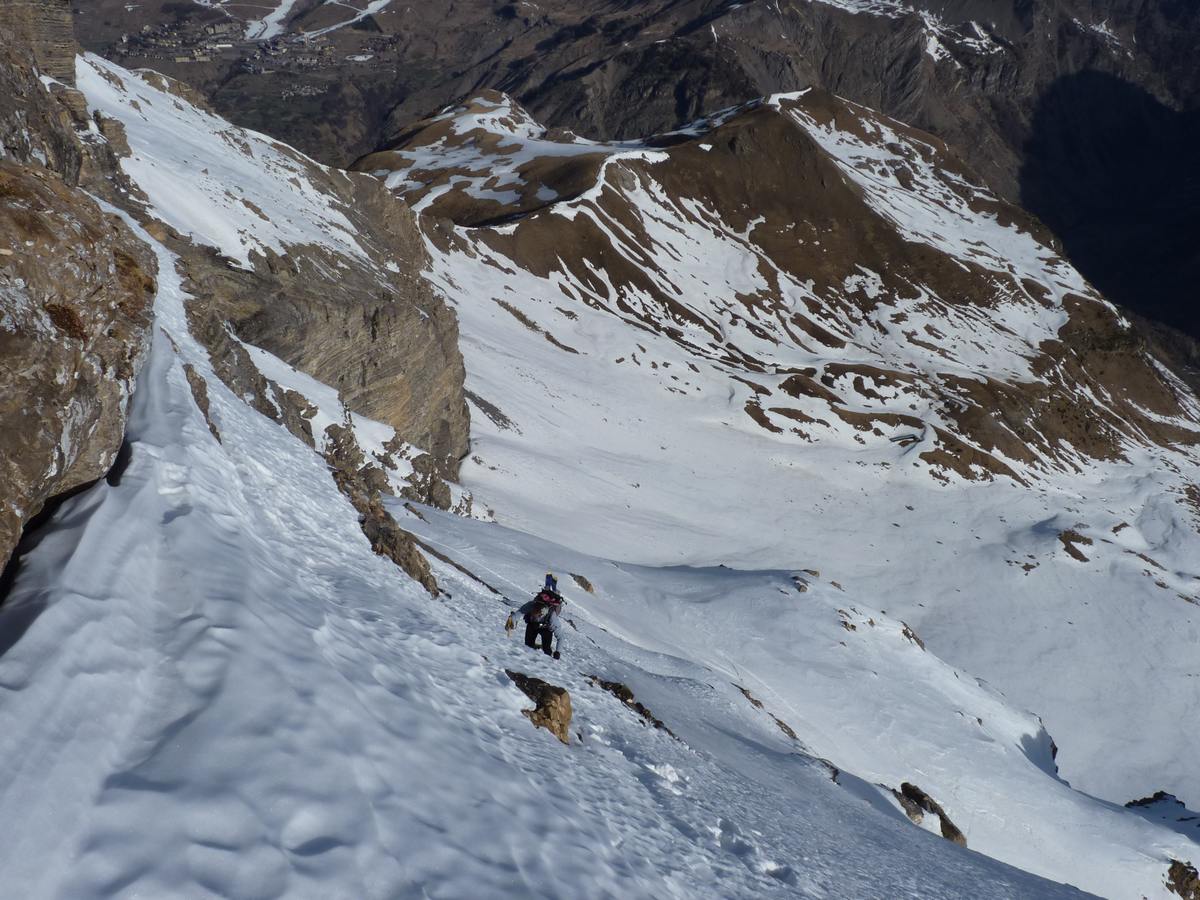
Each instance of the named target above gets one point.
<point>552,704</point>
<point>916,803</point>
<point>382,338</point>
<point>758,704</point>
<point>75,295</point>
<point>1184,880</point>
<point>76,286</point>
<point>625,695</point>
<point>46,27</point>
<point>361,484</point>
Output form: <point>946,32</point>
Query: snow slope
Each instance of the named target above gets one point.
<point>221,185</point>
<point>664,466</point>
<point>225,693</point>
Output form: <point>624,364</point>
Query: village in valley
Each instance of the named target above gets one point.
<point>192,42</point>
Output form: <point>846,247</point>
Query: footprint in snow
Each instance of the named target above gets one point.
<point>733,841</point>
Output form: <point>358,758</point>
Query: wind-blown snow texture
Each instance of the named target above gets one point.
<point>213,686</point>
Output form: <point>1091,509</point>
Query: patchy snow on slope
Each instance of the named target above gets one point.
<point>939,34</point>
<point>377,440</point>
<point>937,207</point>
<point>244,193</point>
<point>980,571</point>
<point>370,8</point>
<point>272,24</point>
<point>225,692</point>
<point>663,466</point>
<point>485,147</point>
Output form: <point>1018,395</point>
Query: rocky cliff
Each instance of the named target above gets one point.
<point>75,285</point>
<point>318,267</point>
<point>46,28</point>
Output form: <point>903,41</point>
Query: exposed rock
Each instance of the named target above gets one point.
<point>1153,799</point>
<point>46,26</point>
<point>625,695</point>
<point>426,484</point>
<point>359,481</point>
<point>912,635</point>
<point>552,709</point>
<point>1184,880</point>
<point>389,539</point>
<point>916,803</point>
<point>758,704</point>
<point>1072,540</point>
<point>200,394</point>
<point>76,286</point>
<point>355,313</point>
<point>377,334</point>
<point>75,297</point>
<point>35,128</point>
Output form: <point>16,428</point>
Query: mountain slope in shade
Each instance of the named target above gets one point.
<point>823,343</point>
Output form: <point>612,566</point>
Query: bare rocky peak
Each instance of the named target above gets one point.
<point>888,291</point>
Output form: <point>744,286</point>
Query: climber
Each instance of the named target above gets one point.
<point>543,616</point>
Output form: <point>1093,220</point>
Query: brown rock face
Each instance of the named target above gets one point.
<point>46,27</point>
<point>76,286</point>
<point>382,338</point>
<point>916,803</point>
<point>1184,880</point>
<point>33,127</point>
<point>553,704</point>
<point>625,695</point>
<point>75,294</point>
<point>361,485</point>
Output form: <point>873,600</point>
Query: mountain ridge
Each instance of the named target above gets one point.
<point>815,420</point>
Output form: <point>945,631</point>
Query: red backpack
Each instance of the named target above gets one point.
<point>548,603</point>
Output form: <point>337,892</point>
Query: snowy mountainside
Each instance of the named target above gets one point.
<point>205,640</point>
<point>823,343</point>
<point>312,265</point>
<point>304,721</point>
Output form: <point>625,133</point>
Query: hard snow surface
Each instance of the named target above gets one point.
<point>211,687</point>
